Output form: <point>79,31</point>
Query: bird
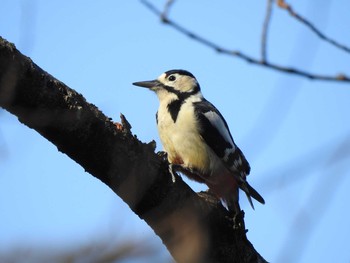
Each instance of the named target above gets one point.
<point>197,139</point>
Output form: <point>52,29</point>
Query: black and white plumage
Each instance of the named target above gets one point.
<point>197,139</point>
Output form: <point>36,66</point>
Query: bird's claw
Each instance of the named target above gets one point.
<point>172,172</point>
<point>238,221</point>
<point>163,155</point>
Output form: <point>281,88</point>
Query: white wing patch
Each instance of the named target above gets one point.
<point>219,124</point>
<point>216,134</point>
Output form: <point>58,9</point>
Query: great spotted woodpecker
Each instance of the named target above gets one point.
<point>197,139</point>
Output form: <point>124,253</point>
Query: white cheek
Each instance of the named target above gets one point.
<point>165,97</point>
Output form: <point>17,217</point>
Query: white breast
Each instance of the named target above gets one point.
<point>182,141</point>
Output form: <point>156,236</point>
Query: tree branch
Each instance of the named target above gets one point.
<point>166,10</point>
<point>282,4</point>
<point>193,227</point>
<point>265,30</point>
<point>235,53</point>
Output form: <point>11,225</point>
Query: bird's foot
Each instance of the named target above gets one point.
<point>237,219</point>
<point>163,155</point>
<point>172,167</point>
<point>172,172</point>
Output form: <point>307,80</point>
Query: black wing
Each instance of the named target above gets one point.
<point>215,132</point>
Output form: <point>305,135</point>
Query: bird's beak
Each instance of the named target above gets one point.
<point>147,84</point>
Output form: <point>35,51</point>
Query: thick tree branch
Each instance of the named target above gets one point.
<point>235,53</point>
<point>193,227</point>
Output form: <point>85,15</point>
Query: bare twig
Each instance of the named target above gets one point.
<point>164,15</point>
<point>243,56</point>
<point>282,4</point>
<point>265,30</point>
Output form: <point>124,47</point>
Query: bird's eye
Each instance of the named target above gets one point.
<point>171,78</point>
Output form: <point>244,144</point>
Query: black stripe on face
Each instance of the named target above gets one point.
<point>171,90</point>
<point>182,95</point>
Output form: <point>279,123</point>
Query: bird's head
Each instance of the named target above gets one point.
<point>179,82</point>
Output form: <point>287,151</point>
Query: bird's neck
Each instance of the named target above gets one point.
<point>172,103</point>
<point>166,98</point>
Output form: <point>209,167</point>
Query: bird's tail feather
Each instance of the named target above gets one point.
<point>251,192</point>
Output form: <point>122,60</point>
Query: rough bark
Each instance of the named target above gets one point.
<point>194,227</point>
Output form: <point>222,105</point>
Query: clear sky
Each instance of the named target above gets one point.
<point>293,131</point>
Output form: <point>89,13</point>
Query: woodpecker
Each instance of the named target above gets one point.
<point>197,139</point>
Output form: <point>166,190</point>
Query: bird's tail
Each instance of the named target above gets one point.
<point>232,200</point>
<point>251,192</point>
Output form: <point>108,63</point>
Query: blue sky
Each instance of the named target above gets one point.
<point>293,131</point>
